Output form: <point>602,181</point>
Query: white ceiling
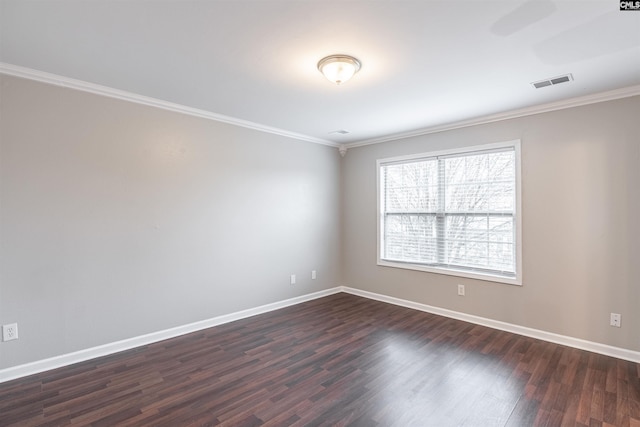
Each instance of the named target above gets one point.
<point>424,63</point>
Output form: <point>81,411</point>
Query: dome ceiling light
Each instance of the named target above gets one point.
<point>338,68</point>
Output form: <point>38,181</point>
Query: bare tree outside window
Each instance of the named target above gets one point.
<point>454,211</point>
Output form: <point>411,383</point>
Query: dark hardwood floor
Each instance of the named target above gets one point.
<point>340,360</point>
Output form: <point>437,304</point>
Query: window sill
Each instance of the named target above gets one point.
<point>452,272</point>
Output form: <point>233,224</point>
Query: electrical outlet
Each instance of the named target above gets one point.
<point>10,332</point>
<point>293,279</point>
<point>313,275</point>
<point>615,320</point>
<point>461,290</point>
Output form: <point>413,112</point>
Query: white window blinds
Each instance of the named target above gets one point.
<point>451,211</point>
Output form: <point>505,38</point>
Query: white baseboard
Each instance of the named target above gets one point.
<point>607,350</point>
<point>115,347</point>
<point>20,371</point>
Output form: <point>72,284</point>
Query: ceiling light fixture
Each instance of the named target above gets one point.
<point>338,68</point>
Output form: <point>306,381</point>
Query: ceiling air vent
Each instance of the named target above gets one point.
<point>553,81</point>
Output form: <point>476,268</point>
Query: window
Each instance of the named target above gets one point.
<point>454,212</point>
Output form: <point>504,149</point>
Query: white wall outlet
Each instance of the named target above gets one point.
<point>293,279</point>
<point>461,290</point>
<point>615,320</point>
<point>10,332</point>
<point>313,275</point>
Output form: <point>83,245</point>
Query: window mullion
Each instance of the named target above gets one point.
<point>440,216</point>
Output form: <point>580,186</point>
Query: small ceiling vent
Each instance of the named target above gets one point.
<point>553,81</point>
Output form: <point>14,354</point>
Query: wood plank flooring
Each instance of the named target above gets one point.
<point>340,360</point>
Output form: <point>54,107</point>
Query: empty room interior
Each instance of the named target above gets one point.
<point>306,213</point>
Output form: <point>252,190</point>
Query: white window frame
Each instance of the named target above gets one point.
<point>517,280</point>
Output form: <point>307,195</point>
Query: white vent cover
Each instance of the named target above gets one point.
<point>553,81</point>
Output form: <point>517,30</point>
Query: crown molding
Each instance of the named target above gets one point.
<point>528,111</point>
<point>56,80</point>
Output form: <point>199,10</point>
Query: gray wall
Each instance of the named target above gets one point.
<point>118,219</point>
<point>581,232</point>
